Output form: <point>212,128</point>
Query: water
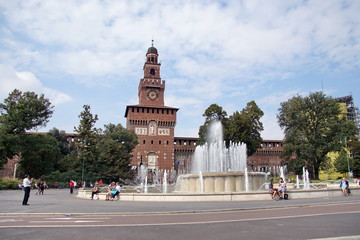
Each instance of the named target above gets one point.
<point>165,182</point>
<point>213,156</point>
<point>306,178</point>
<point>297,182</point>
<point>246,180</point>
<point>201,182</point>
<point>282,175</point>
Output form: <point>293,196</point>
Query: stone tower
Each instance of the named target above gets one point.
<point>151,120</point>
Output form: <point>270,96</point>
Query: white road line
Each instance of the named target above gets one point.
<point>178,223</point>
<point>77,221</point>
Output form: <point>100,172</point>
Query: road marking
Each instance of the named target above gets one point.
<point>175,223</point>
<point>77,221</point>
<point>10,220</point>
<point>83,218</point>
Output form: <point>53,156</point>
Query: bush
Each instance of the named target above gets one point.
<point>9,183</point>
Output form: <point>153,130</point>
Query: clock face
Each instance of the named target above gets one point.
<point>152,94</point>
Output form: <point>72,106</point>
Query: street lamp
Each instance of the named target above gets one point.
<point>83,165</point>
<point>347,157</point>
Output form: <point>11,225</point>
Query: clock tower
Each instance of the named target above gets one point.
<point>151,120</point>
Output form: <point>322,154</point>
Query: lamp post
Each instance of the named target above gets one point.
<point>347,158</point>
<point>83,166</point>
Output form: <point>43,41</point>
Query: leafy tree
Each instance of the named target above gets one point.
<point>18,113</point>
<point>213,112</point>
<point>39,154</point>
<point>24,111</point>
<point>67,149</point>
<point>115,146</point>
<point>87,159</point>
<point>343,162</point>
<point>313,127</point>
<point>246,127</point>
<point>354,146</point>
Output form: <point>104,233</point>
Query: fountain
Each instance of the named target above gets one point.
<point>216,168</point>
<point>306,178</point>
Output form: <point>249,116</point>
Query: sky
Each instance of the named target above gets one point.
<point>92,52</point>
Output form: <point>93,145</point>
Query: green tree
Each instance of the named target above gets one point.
<point>24,111</point>
<point>87,158</point>
<point>343,162</point>
<point>246,127</point>
<point>313,127</point>
<point>67,149</point>
<point>354,146</point>
<point>115,146</point>
<point>213,112</point>
<point>39,154</point>
<point>19,113</point>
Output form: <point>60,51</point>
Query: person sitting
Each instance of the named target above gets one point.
<point>95,191</point>
<point>115,192</point>
<point>272,190</point>
<point>344,186</point>
<point>282,188</point>
<point>110,189</point>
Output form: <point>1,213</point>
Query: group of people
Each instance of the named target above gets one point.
<point>280,190</point>
<point>113,190</point>
<point>41,186</point>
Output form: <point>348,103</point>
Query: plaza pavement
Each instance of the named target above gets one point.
<point>61,202</point>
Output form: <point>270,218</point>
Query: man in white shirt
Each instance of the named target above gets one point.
<point>27,188</point>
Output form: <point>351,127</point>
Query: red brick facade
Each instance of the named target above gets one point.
<point>152,121</point>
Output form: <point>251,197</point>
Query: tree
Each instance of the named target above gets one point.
<point>343,162</point>
<point>115,146</point>
<point>19,113</point>
<point>313,127</point>
<point>67,150</point>
<point>354,145</point>
<point>213,112</point>
<point>39,154</point>
<point>246,127</point>
<point>86,161</point>
<point>24,111</point>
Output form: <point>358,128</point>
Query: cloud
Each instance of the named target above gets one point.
<point>27,81</point>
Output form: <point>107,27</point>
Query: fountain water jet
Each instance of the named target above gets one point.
<point>222,169</point>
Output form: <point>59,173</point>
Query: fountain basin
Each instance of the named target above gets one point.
<point>220,182</point>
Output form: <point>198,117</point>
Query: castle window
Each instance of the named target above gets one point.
<point>159,141</point>
<point>152,141</point>
<point>144,142</point>
<point>152,72</point>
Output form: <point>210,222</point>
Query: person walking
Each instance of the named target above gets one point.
<point>71,185</point>
<point>27,188</point>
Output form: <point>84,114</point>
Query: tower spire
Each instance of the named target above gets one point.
<point>152,42</point>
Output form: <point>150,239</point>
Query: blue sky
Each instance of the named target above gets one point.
<point>224,52</point>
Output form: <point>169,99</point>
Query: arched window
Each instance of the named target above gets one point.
<point>152,71</point>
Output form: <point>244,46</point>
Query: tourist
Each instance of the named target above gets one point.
<point>344,186</point>
<point>95,191</point>
<point>116,191</point>
<point>110,189</point>
<point>272,190</point>
<point>71,185</point>
<point>282,188</point>
<point>27,187</point>
<point>41,187</point>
